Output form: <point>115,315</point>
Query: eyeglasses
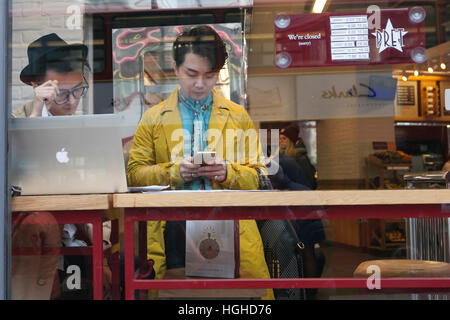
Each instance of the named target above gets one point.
<point>64,95</point>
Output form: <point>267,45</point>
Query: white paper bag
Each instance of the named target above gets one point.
<point>210,248</point>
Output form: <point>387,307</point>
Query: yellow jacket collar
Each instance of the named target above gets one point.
<point>171,119</point>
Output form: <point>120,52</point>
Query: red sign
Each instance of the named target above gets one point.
<point>350,38</point>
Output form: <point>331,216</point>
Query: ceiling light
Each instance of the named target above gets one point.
<point>403,76</point>
<point>318,6</point>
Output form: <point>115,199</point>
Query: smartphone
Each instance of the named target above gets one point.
<point>203,157</point>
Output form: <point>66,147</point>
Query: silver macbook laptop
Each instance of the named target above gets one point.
<point>67,155</point>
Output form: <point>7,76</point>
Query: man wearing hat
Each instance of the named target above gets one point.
<point>56,70</point>
<point>56,73</point>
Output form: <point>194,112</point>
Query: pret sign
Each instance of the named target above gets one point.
<point>350,38</point>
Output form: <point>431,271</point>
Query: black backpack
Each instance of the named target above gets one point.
<point>283,250</point>
<point>284,255</point>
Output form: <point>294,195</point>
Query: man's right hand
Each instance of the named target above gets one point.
<point>188,169</point>
<point>42,94</point>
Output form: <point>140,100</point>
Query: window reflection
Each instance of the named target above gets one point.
<point>360,112</point>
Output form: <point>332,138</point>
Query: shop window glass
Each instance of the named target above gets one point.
<point>336,104</point>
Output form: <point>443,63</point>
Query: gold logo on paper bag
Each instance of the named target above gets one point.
<point>209,248</point>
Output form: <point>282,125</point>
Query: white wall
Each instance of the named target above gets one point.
<point>343,144</point>
<point>272,98</point>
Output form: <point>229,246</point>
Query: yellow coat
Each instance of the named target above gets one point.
<point>156,154</point>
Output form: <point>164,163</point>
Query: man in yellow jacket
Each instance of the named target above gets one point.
<point>194,118</point>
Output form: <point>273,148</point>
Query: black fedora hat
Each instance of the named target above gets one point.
<point>50,49</point>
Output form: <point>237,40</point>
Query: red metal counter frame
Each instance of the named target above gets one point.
<point>79,209</point>
<point>276,205</point>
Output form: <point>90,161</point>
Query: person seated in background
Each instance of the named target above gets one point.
<point>293,146</point>
<point>289,175</point>
<point>56,71</point>
<point>196,110</point>
<point>310,232</point>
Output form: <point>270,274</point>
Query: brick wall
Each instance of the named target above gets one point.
<point>32,19</point>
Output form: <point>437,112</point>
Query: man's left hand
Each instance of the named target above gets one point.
<point>215,169</point>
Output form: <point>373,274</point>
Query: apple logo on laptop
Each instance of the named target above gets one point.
<point>61,156</point>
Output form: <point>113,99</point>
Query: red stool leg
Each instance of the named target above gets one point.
<point>115,260</point>
<point>97,258</point>
<point>129,256</point>
<point>143,266</point>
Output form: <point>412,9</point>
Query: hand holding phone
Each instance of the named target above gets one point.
<point>204,157</point>
<point>212,167</point>
<point>188,169</point>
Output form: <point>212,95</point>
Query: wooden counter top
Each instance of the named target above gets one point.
<point>228,199</point>
<point>62,202</point>
<point>280,198</point>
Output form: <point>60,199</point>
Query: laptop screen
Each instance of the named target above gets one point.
<point>67,155</point>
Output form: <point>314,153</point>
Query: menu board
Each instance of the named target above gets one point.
<point>406,95</point>
<point>349,38</point>
<point>406,101</point>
